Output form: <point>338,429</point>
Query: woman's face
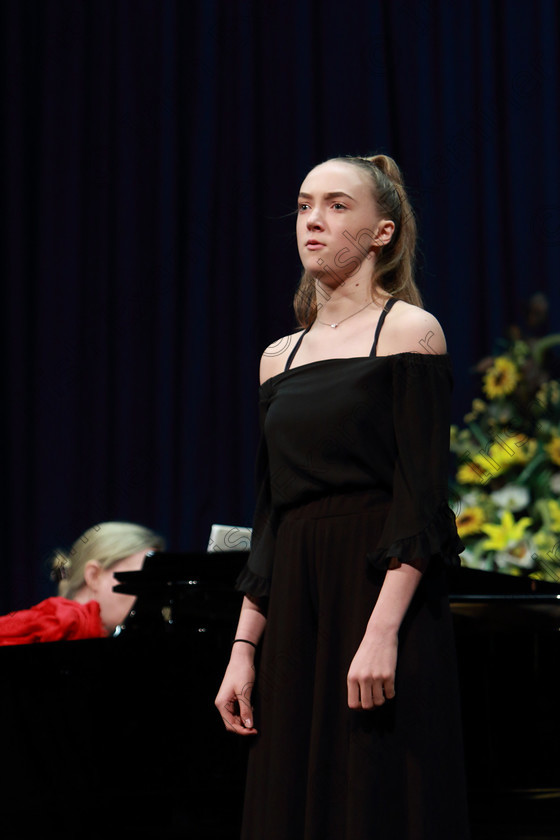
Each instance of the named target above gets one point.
<point>337,221</point>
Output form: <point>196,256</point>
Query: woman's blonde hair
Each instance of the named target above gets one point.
<point>394,266</point>
<point>107,543</point>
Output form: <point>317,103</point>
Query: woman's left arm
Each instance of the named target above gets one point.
<point>371,677</point>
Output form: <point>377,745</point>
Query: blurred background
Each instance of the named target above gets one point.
<point>152,153</point>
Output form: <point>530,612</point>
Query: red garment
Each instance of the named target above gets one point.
<point>51,621</point>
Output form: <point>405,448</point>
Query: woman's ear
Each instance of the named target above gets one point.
<point>384,232</point>
<point>92,572</point>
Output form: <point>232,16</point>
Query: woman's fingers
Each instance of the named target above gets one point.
<point>369,693</point>
<point>371,676</point>
<point>377,693</point>
<point>389,687</point>
<point>233,700</point>
<point>236,711</point>
<point>245,707</point>
<point>354,699</point>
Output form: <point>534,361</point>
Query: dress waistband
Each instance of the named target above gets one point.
<point>353,502</point>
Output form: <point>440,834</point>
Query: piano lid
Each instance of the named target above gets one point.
<point>183,592</point>
<point>200,586</point>
<point>166,572</point>
<point>218,570</point>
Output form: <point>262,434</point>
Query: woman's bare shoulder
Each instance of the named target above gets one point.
<point>409,328</point>
<point>274,358</point>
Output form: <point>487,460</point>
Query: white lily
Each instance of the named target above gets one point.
<point>511,497</point>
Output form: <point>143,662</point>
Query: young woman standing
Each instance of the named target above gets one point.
<point>353,703</point>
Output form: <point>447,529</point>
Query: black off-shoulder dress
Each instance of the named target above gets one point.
<point>352,477</point>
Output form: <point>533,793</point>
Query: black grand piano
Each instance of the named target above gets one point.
<point>119,737</point>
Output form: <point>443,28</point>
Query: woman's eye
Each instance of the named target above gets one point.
<point>338,206</point>
<point>302,207</point>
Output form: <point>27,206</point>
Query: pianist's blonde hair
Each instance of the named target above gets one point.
<point>107,543</point>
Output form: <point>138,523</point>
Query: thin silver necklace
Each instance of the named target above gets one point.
<point>334,326</point>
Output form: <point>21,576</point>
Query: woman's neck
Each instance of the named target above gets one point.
<point>338,302</point>
<point>83,595</point>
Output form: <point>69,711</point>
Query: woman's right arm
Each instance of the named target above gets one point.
<point>233,700</point>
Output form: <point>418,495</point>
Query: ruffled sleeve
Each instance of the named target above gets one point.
<point>420,525</point>
<point>52,620</point>
<point>255,577</point>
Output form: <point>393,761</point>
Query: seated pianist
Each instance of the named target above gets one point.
<point>86,606</point>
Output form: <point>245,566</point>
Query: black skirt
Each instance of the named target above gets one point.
<point>317,769</point>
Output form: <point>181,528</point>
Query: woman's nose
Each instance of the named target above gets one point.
<point>314,218</point>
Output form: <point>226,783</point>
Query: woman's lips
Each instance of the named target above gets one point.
<point>313,245</point>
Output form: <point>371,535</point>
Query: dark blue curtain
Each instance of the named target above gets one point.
<point>152,152</point>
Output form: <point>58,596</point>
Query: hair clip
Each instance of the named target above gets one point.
<point>61,565</point>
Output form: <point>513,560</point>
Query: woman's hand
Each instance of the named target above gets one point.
<point>371,677</point>
<point>233,700</point>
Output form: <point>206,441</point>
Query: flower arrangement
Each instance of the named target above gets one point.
<point>506,488</point>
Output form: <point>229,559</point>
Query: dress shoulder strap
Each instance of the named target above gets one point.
<point>296,348</point>
<point>391,302</point>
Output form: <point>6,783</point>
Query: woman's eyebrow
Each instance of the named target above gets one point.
<point>335,194</point>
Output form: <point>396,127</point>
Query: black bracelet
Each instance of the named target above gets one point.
<point>246,642</point>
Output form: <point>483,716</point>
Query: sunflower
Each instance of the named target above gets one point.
<point>517,449</point>
<point>469,521</point>
<point>497,461</point>
<point>553,449</point>
<point>526,448</point>
<point>501,379</point>
<point>473,472</point>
